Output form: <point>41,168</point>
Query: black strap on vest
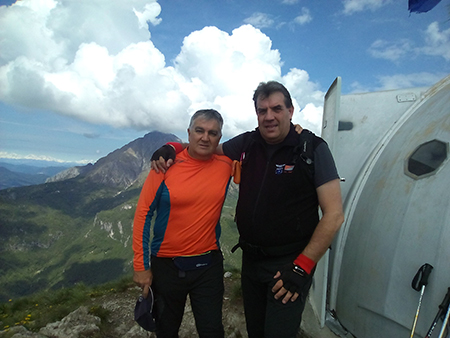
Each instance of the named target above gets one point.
<point>305,148</point>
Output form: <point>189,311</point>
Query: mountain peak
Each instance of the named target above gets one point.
<point>122,167</point>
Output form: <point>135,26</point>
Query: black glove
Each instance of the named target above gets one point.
<point>294,278</point>
<point>166,152</point>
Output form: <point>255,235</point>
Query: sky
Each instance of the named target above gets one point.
<point>79,79</point>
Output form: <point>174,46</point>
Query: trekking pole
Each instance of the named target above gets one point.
<point>445,322</point>
<point>444,305</point>
<point>419,282</point>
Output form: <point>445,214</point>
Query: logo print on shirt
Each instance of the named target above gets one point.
<point>289,169</point>
<point>284,169</point>
<point>279,169</point>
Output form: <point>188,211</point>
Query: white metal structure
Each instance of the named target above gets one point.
<point>392,148</point>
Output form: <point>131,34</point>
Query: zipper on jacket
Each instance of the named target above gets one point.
<point>260,190</point>
<point>264,180</point>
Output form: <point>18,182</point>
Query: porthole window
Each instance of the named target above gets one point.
<point>427,158</point>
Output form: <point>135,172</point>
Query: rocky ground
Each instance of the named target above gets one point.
<point>120,322</point>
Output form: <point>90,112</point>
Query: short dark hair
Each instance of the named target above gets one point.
<point>265,89</point>
<point>207,114</point>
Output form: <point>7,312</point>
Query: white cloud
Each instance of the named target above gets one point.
<point>260,20</point>
<point>359,88</point>
<point>304,18</point>
<point>398,81</point>
<point>94,61</point>
<point>149,14</point>
<point>14,156</point>
<point>290,2</point>
<point>308,99</point>
<point>392,51</point>
<point>437,43</point>
<point>353,6</point>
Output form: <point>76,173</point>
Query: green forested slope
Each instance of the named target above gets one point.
<point>58,234</point>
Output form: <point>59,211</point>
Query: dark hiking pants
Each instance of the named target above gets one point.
<point>205,289</point>
<point>265,316</point>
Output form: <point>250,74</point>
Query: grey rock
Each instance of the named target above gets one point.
<point>77,323</point>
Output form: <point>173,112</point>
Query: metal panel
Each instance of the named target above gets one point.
<point>394,223</point>
<point>318,293</point>
<point>331,113</point>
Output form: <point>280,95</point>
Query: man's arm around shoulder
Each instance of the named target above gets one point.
<point>161,164</point>
<point>330,202</point>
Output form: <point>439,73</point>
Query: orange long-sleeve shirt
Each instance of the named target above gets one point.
<point>188,200</point>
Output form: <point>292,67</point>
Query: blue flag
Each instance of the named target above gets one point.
<point>421,6</point>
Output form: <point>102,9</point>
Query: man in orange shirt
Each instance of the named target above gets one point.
<point>184,256</point>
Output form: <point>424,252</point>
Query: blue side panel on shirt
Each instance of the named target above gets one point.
<point>162,217</point>
<point>148,224</point>
<point>218,227</point>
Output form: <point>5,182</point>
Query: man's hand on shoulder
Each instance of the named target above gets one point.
<point>298,128</point>
<point>161,165</point>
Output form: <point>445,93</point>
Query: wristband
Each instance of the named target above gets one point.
<point>305,263</point>
<point>178,147</point>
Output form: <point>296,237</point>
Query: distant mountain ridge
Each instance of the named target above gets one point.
<point>18,175</point>
<point>33,163</point>
<point>50,169</point>
<point>10,178</point>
